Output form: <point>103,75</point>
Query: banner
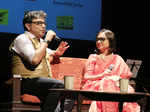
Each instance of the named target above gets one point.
<point>3,16</point>
<point>75,19</point>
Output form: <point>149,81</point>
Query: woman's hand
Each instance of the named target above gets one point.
<point>107,71</point>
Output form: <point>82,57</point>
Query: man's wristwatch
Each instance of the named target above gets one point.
<point>47,41</point>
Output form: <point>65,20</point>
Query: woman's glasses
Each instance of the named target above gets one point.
<point>102,39</point>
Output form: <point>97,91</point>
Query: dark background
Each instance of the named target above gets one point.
<point>124,18</point>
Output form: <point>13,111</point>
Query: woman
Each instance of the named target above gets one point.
<point>103,71</point>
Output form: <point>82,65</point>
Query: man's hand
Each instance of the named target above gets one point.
<point>63,46</point>
<point>50,35</point>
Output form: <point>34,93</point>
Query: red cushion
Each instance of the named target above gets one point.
<point>30,98</point>
<point>69,66</point>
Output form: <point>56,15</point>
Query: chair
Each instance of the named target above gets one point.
<point>17,105</point>
<point>60,68</point>
<point>134,66</point>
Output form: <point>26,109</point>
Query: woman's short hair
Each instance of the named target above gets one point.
<point>111,38</point>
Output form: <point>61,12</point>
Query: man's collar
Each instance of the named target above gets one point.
<point>30,34</point>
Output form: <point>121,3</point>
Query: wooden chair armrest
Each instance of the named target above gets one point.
<point>16,88</point>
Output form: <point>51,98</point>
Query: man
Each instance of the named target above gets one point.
<point>30,59</point>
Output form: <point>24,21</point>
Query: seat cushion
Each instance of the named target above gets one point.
<point>30,98</point>
<point>69,66</point>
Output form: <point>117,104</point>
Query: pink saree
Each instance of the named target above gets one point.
<point>107,82</point>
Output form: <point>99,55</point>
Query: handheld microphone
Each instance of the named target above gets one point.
<point>111,67</point>
<point>55,38</point>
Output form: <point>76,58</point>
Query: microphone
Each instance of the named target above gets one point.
<point>55,38</point>
<point>111,67</point>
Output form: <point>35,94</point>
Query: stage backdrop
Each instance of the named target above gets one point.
<point>76,19</point>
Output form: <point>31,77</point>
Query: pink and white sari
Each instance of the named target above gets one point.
<point>108,82</point>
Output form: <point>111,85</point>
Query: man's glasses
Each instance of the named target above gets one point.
<point>101,39</point>
<point>39,23</point>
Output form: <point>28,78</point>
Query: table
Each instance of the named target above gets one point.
<point>79,95</point>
